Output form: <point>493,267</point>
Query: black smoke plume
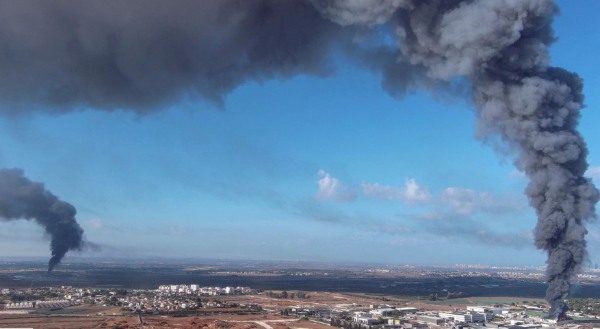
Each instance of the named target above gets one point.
<point>144,55</point>
<point>502,48</point>
<point>21,198</point>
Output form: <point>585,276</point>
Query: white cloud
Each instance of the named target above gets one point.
<point>594,173</point>
<point>411,193</point>
<point>515,173</point>
<point>332,189</point>
<point>94,223</point>
<point>464,201</point>
<point>450,203</point>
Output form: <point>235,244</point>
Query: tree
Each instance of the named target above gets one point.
<point>460,294</point>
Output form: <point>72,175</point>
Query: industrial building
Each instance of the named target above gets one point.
<point>431,319</point>
<point>463,316</point>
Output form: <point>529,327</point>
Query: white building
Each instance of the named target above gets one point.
<point>463,317</point>
<point>477,309</point>
<point>367,321</point>
<point>407,309</point>
<point>21,305</point>
<point>430,319</point>
<point>384,312</point>
<point>498,311</point>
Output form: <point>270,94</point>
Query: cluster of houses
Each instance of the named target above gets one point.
<point>206,291</point>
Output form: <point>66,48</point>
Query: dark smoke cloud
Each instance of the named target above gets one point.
<point>143,55</point>
<point>21,198</point>
<point>59,56</point>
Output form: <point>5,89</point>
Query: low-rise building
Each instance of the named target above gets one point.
<point>430,319</point>
<point>367,321</point>
<point>463,316</point>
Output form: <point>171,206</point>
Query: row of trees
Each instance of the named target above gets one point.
<point>460,294</point>
<point>285,294</point>
<point>590,306</point>
<point>451,295</point>
<point>15,298</point>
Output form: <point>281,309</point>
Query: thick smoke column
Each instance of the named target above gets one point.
<point>59,56</point>
<point>502,47</point>
<point>21,198</point>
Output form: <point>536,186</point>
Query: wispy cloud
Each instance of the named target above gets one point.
<point>458,203</point>
<point>391,229</point>
<point>466,201</point>
<point>515,173</point>
<point>411,193</point>
<point>93,223</point>
<point>332,189</point>
<point>450,203</point>
<point>178,230</point>
<point>479,233</point>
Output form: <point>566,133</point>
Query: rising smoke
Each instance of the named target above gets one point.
<point>21,198</point>
<point>59,56</point>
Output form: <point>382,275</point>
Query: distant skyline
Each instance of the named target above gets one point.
<point>323,169</point>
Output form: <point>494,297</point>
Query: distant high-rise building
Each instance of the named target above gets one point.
<point>596,266</point>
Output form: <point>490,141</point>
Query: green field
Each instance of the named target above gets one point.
<point>580,318</point>
<point>486,301</point>
<point>451,302</point>
<point>67,311</point>
<point>504,300</point>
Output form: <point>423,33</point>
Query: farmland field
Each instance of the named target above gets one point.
<point>504,300</point>
<point>452,302</point>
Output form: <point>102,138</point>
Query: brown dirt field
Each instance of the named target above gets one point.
<point>131,322</point>
<point>249,317</point>
<point>423,306</point>
<point>324,299</point>
<point>306,325</point>
<point>66,322</point>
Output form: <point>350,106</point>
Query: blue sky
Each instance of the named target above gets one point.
<point>325,169</point>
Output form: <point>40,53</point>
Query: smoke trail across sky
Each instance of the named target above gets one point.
<point>58,56</point>
<point>21,198</point>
